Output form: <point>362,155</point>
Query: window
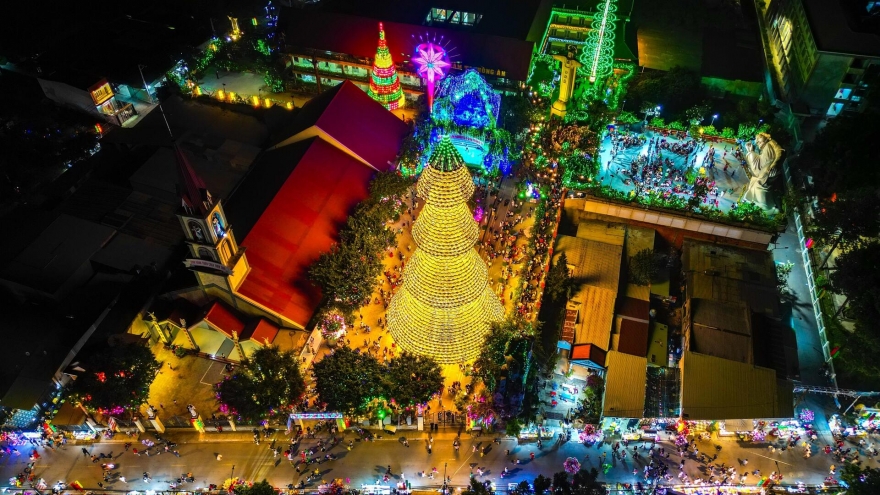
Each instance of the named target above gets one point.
<point>843,94</point>
<point>453,17</point>
<point>101,94</point>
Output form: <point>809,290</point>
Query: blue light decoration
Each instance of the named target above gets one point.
<point>466,104</point>
<point>467,99</point>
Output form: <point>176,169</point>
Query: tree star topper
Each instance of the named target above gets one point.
<point>431,60</point>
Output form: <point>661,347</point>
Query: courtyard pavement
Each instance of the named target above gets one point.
<point>731,182</point>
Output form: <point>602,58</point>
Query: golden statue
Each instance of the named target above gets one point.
<point>761,160</point>
<point>568,72</point>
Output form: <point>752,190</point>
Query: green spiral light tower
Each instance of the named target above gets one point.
<point>598,53</point>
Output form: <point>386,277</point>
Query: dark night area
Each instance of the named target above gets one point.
<point>611,246</point>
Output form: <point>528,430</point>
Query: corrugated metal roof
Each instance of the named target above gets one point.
<point>728,261</point>
<point>605,232</point>
<point>596,314</point>
<point>719,343</point>
<point>625,385</point>
<point>730,316</point>
<point>595,263</point>
<point>759,296</point>
<point>633,338</point>
<point>588,352</point>
<point>714,388</point>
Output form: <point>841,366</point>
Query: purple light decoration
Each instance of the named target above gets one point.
<point>478,214</point>
<point>431,61</point>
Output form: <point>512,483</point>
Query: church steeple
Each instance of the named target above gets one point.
<point>194,195</point>
<point>212,245</point>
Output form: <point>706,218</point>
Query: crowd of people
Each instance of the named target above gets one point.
<point>674,165</point>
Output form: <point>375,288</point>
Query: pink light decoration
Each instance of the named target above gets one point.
<point>478,214</point>
<point>431,61</point>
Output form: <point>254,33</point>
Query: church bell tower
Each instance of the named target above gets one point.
<point>214,255</point>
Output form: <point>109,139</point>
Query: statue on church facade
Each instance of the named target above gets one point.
<point>762,159</point>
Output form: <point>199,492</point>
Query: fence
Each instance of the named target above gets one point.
<point>811,280</point>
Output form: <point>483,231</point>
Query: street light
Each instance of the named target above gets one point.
<point>713,119</point>
<point>445,487</point>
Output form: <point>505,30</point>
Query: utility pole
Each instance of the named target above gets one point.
<point>146,88</point>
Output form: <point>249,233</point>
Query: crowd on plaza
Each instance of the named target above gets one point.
<point>666,162</point>
<point>541,241</point>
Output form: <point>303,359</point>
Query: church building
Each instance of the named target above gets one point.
<point>250,255</point>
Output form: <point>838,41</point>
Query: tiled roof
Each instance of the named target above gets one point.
<point>261,331</point>
<point>355,122</point>
<point>633,337</point>
<point>299,223</point>
<point>224,319</point>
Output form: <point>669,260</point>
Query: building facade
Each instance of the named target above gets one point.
<point>491,36</point>
<point>817,55</point>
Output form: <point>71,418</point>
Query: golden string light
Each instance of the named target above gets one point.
<point>445,305</point>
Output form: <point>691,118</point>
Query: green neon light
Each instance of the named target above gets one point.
<point>598,53</point>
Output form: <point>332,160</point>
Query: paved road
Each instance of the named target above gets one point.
<point>367,461</point>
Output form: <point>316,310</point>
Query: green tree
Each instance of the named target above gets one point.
<point>642,267</point>
<point>674,90</point>
<point>346,380</point>
<point>268,380</point>
<point>513,428</point>
<point>586,483</point>
<point>115,377</point>
<point>503,338</point>
<point>858,278</point>
<point>412,379</point>
<point>476,488</point>
<point>388,185</point>
<point>347,274</point>
<point>861,481</point>
<point>561,485</point>
<point>558,281</point>
<point>259,488</point>
<point>518,113</point>
<point>848,218</point>
<point>842,158</point>
<point>542,484</point>
<point>697,113</point>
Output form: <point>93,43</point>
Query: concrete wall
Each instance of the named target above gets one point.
<point>824,82</point>
<point>670,219</point>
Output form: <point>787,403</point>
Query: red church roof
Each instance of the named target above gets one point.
<point>260,331</point>
<point>222,317</point>
<point>300,222</point>
<point>356,121</point>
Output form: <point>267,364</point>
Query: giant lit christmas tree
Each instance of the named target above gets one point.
<point>445,305</point>
<point>384,83</point>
